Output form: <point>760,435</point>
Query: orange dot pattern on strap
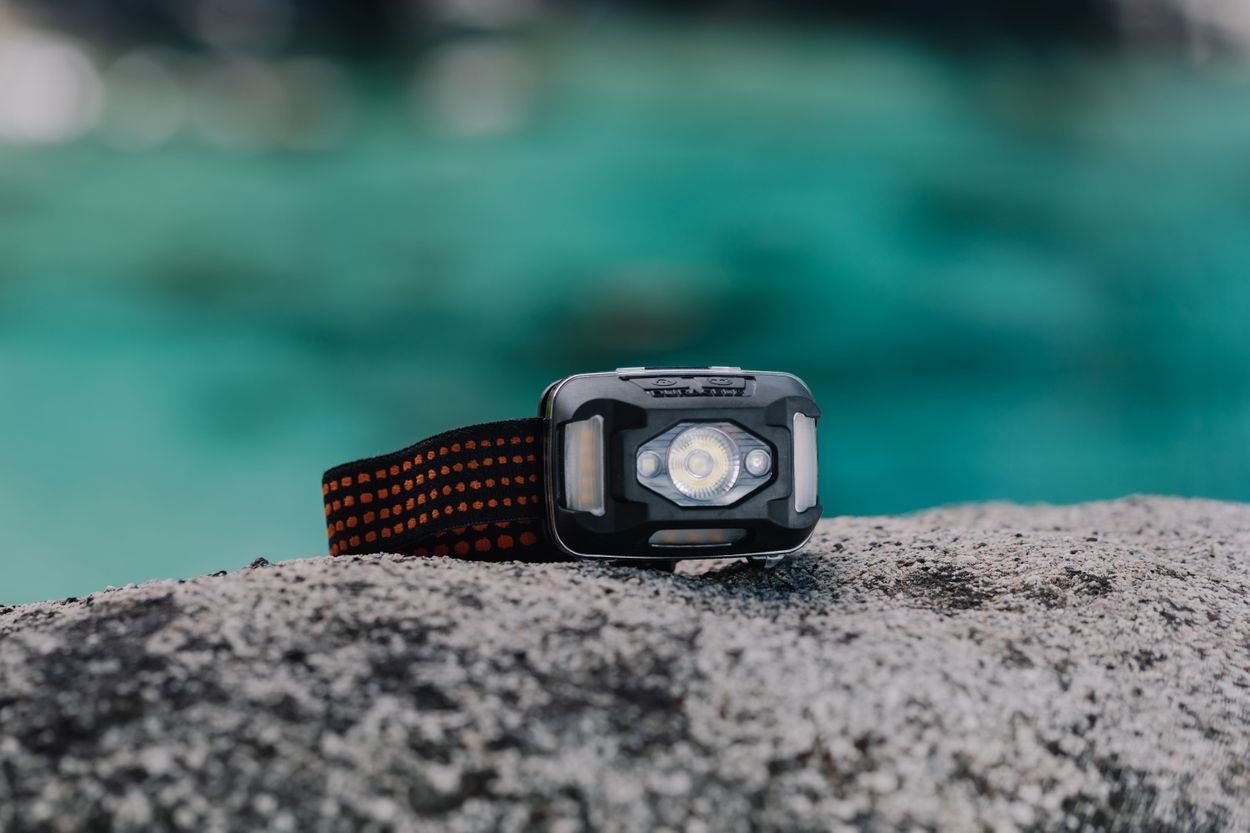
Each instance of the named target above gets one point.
<point>473,493</point>
<point>501,540</point>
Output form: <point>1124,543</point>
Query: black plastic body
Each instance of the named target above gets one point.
<point>639,403</point>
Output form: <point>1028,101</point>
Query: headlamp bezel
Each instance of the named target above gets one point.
<point>637,404</point>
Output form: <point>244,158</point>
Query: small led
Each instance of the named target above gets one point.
<point>758,462</point>
<point>699,463</point>
<point>648,464</point>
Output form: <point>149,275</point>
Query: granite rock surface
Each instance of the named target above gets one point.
<point>984,667</point>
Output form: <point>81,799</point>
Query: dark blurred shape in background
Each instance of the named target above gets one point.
<point>374,29</point>
<point>379,29</point>
<point>240,240</point>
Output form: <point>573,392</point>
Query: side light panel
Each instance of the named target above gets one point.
<point>583,465</point>
<point>804,434</point>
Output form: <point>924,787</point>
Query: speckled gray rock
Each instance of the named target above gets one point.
<point>986,667</point>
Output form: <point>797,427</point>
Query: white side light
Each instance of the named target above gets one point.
<point>804,462</point>
<point>583,465</point>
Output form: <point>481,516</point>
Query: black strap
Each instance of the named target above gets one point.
<point>472,492</point>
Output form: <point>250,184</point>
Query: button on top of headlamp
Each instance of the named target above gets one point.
<point>661,382</point>
<point>694,384</point>
<point>678,369</point>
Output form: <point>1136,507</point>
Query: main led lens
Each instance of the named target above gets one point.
<point>703,462</point>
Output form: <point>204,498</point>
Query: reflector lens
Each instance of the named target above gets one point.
<point>583,465</point>
<point>804,462</point>
<point>703,462</point>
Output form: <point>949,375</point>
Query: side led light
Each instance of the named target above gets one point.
<point>649,464</point>
<point>695,537</point>
<point>804,462</point>
<point>758,461</point>
<point>583,465</point>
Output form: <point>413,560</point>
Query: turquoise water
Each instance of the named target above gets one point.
<point>1004,279</point>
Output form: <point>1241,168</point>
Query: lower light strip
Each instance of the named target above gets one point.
<point>696,537</point>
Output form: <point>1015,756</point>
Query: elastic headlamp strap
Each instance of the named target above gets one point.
<point>474,492</point>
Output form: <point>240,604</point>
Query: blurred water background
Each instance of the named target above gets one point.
<point>242,240</point>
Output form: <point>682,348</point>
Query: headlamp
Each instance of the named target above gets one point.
<point>640,463</point>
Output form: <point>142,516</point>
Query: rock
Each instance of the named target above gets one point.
<point>986,667</point>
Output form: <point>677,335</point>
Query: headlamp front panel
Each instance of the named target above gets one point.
<point>703,463</point>
<point>695,463</point>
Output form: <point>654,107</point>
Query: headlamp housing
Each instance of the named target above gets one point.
<point>673,463</point>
